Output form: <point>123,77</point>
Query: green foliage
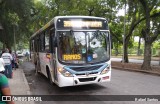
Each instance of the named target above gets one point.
<point>27,16</point>
<point>14,19</point>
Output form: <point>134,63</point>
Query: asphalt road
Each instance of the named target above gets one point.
<point>135,61</point>
<point>122,83</point>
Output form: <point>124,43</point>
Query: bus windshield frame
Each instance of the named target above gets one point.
<point>95,43</point>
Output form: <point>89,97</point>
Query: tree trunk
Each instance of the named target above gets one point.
<point>139,45</point>
<point>147,56</point>
<point>126,52</point>
<point>116,50</point>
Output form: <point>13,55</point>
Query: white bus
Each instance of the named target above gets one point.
<point>73,50</point>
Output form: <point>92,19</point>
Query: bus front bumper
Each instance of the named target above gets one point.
<point>83,80</point>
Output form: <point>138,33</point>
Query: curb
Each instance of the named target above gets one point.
<point>140,71</point>
<point>26,83</point>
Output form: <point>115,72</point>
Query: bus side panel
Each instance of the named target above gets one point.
<point>46,62</point>
<point>43,63</point>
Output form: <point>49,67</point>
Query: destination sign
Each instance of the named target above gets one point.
<point>71,56</point>
<point>81,23</point>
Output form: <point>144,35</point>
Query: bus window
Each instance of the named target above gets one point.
<point>42,44</point>
<point>52,41</point>
<point>47,41</point>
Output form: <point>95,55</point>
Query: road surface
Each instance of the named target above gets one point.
<point>122,83</point>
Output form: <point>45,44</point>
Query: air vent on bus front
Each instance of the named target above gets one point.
<point>87,79</point>
<point>85,73</point>
<point>89,68</point>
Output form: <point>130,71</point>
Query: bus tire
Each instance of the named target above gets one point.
<point>36,70</point>
<point>49,76</point>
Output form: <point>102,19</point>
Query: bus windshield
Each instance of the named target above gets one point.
<point>83,47</point>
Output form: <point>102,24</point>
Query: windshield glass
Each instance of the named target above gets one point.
<point>83,47</point>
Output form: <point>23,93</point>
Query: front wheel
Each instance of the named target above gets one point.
<point>49,77</point>
<point>37,69</point>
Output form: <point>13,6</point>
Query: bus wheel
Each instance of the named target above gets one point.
<point>36,69</point>
<point>49,76</point>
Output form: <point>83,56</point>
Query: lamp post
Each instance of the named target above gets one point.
<point>123,56</point>
<point>14,38</point>
<point>159,56</point>
<point>1,29</point>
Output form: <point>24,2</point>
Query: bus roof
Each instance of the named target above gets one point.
<point>57,17</point>
<point>54,20</point>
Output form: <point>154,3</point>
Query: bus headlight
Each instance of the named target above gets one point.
<point>65,72</point>
<point>106,70</point>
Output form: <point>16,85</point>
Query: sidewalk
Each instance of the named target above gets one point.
<point>19,85</point>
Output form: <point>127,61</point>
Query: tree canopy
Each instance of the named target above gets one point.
<point>23,17</point>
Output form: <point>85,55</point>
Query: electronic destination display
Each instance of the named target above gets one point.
<point>82,23</point>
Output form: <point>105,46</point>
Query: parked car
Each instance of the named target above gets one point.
<point>20,54</point>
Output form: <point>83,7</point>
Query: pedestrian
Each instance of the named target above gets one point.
<point>27,56</point>
<point>5,90</point>
<point>13,63</point>
<point>2,64</point>
<point>7,57</point>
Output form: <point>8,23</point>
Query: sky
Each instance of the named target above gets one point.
<point>120,12</point>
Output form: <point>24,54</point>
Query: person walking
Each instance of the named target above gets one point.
<point>7,57</point>
<point>27,56</point>
<point>5,90</point>
<point>2,64</point>
<point>13,63</point>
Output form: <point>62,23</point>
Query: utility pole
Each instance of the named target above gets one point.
<point>1,33</point>
<point>14,38</point>
<point>159,56</point>
<point>124,36</point>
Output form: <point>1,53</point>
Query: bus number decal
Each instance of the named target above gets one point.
<point>72,57</point>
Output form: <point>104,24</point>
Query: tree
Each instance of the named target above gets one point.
<point>148,35</point>
<point>135,17</point>
<point>12,15</point>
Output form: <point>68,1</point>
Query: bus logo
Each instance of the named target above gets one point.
<point>87,73</point>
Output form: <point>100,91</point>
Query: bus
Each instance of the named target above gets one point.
<point>73,50</point>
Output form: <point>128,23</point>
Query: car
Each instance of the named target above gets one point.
<point>20,54</point>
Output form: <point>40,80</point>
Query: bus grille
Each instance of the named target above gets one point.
<point>89,68</point>
<point>87,79</point>
<point>85,73</point>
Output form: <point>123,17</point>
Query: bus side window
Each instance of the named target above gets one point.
<point>52,41</point>
<point>42,44</point>
<point>47,41</point>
